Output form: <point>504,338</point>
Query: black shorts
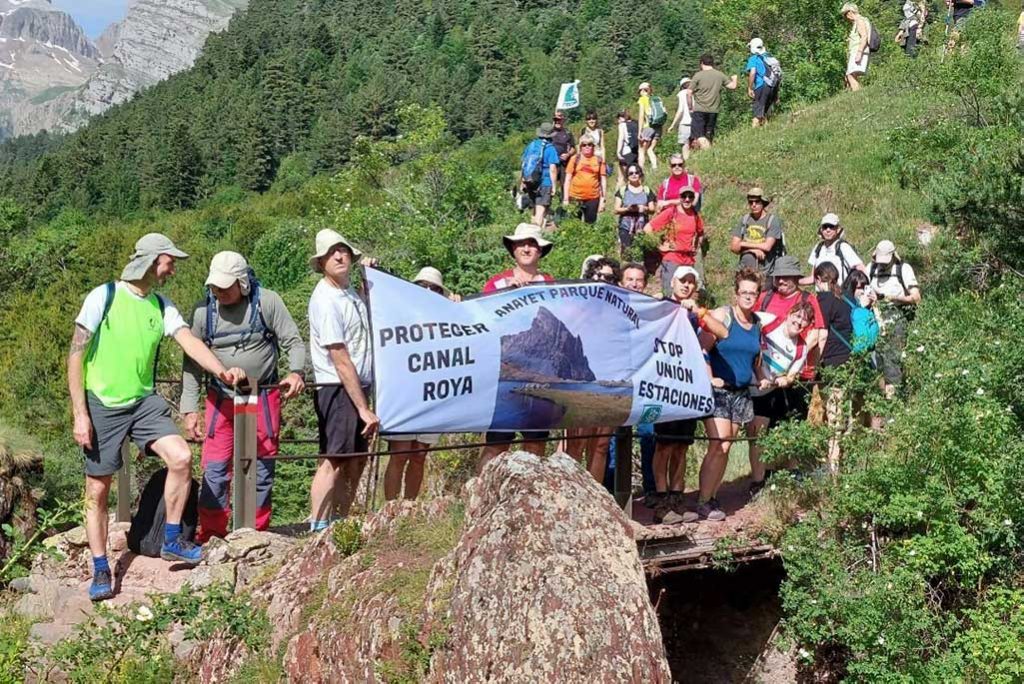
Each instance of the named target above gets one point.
<point>506,437</point>
<point>680,431</point>
<point>703,125</point>
<point>782,404</point>
<point>764,98</point>
<point>338,422</point>
<point>541,197</point>
<point>627,160</point>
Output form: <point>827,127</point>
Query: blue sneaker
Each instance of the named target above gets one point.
<point>102,587</point>
<point>182,550</point>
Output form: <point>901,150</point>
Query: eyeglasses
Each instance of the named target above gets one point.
<point>635,172</point>
<point>677,165</point>
<point>748,293</point>
<point>432,287</point>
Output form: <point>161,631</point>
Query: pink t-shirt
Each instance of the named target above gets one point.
<point>673,185</point>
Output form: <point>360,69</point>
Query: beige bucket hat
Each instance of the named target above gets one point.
<point>431,276</point>
<point>325,240</point>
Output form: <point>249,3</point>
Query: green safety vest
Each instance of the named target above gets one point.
<point>120,365</point>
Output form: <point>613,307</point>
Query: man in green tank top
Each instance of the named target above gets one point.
<point>111,370</point>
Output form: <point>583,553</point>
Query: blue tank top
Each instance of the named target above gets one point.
<point>732,359</point>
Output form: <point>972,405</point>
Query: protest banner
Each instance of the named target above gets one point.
<point>545,356</point>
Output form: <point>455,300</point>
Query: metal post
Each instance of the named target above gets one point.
<point>624,469</point>
<point>243,491</point>
<point>124,485</point>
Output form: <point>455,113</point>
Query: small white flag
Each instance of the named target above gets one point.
<point>569,96</point>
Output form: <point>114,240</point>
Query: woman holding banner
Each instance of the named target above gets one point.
<point>734,363</point>
<point>409,452</point>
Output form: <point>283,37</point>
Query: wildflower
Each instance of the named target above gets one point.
<point>773,488</point>
<point>881,641</point>
<point>1008,522</point>
<point>803,653</point>
<point>938,375</point>
<point>920,514</point>
<point>889,586</point>
<point>913,552</point>
<point>980,392</point>
<point>144,614</point>
<point>903,355</point>
<point>965,372</point>
<point>920,349</point>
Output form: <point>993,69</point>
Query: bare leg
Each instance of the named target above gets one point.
<point>396,468</point>
<point>686,150</point>
<point>535,448</point>
<point>643,153</point>
<point>754,429</point>
<point>538,215</point>
<point>321,491</point>
<point>835,414</point>
<point>414,475</point>
<point>574,446</point>
<point>177,456</point>
<point>662,454</point>
<point>97,489</point>
<point>598,447</point>
<point>712,470</point>
<point>677,467</point>
<point>651,155</point>
<point>345,494</point>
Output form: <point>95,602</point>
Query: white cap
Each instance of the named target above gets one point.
<point>226,268</point>
<point>884,252</point>
<point>756,46</point>
<point>829,218</point>
<point>642,86</point>
<point>683,271</point>
<point>431,276</point>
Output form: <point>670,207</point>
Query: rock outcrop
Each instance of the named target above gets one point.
<point>18,458</point>
<point>545,352</point>
<point>545,583</point>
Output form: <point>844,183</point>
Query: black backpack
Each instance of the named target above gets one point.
<point>839,253</point>
<point>146,535</point>
<point>897,272</point>
<point>874,40</point>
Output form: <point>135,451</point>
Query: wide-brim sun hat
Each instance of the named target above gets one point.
<point>885,252</point>
<point>227,268</point>
<point>787,266</point>
<point>527,231</point>
<point>148,249</point>
<point>326,239</point>
<point>848,7</point>
<point>758,193</point>
<point>683,271</point>
<point>683,81</point>
<point>431,276</point>
<point>545,130</point>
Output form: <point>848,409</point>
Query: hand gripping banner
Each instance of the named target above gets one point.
<point>546,356</point>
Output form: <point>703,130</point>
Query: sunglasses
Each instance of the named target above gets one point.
<point>605,277</point>
<point>587,145</point>
<point>687,196</point>
<point>431,287</point>
<point>677,165</point>
<point>828,226</point>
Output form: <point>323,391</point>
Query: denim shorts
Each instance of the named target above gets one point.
<point>734,405</point>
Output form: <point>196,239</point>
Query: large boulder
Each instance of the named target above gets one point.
<point>545,583</point>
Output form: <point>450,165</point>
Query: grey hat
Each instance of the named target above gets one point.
<point>545,130</point>
<point>787,267</point>
<point>147,249</point>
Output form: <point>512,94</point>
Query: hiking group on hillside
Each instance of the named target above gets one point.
<point>763,348</point>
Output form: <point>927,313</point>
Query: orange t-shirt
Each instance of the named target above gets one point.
<point>683,232</point>
<point>586,175</point>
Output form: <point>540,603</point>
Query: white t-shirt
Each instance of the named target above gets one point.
<point>890,285</point>
<point>91,314</point>
<point>830,253</point>
<point>338,317</point>
<point>684,107</point>
<point>780,354</point>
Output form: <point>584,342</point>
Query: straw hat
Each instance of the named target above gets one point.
<point>527,231</point>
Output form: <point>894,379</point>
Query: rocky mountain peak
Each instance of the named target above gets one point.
<point>546,352</point>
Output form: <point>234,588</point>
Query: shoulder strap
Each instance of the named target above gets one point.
<point>211,319</point>
<point>162,303</point>
<point>767,300</point>
<point>897,267</point>
<point>109,301</point>
<point>805,296</point>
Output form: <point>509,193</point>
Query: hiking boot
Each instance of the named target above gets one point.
<point>709,510</point>
<point>653,499</point>
<point>182,550</point>
<point>662,508</point>
<point>673,518</point>
<point>677,501</point>
<point>102,587</point>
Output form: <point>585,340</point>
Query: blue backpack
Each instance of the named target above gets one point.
<point>532,167</point>
<point>865,328</point>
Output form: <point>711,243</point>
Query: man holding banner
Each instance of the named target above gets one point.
<point>339,345</point>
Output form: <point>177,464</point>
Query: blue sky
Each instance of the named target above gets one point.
<point>94,15</point>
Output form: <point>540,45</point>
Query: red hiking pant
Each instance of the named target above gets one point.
<point>214,501</point>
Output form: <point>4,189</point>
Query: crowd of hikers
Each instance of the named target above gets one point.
<point>785,321</point>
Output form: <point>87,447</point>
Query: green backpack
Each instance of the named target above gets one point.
<point>658,113</point>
